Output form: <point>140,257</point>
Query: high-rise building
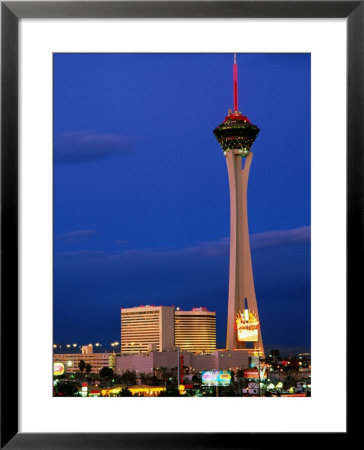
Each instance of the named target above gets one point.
<point>195,331</point>
<point>147,328</point>
<point>236,135</point>
<point>96,360</point>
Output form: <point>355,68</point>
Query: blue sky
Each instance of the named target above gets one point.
<point>141,195</point>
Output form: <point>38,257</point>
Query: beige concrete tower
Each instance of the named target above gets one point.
<point>236,135</point>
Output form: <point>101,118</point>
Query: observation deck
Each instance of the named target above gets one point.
<point>236,133</point>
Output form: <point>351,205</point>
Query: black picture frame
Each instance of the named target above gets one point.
<point>11,12</point>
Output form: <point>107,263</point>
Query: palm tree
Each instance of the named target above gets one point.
<point>240,375</point>
<point>82,365</point>
<point>106,372</point>
<point>88,368</point>
<point>125,392</point>
<point>142,377</point>
<point>196,378</point>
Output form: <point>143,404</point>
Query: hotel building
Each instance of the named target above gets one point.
<point>195,331</point>
<point>96,360</point>
<point>147,328</point>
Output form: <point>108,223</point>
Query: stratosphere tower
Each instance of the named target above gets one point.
<point>236,135</point>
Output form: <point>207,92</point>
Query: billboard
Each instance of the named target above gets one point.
<point>216,377</point>
<point>58,368</point>
<point>247,326</point>
<point>251,373</point>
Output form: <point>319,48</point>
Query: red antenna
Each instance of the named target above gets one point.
<point>235,77</point>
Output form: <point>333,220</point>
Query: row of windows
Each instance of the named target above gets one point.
<point>140,336</point>
<point>80,356</point>
<point>140,333</point>
<point>195,330</point>
<point>194,324</point>
<point>205,341</point>
<point>141,313</point>
<point>192,337</point>
<point>140,329</point>
<point>194,317</point>
<point>141,321</point>
<point>139,317</point>
<point>194,341</point>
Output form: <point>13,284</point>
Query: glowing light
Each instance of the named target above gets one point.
<point>216,377</point>
<point>247,326</point>
<point>58,369</point>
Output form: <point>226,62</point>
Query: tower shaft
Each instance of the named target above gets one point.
<point>241,281</point>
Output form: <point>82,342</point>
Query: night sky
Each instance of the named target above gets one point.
<point>141,194</point>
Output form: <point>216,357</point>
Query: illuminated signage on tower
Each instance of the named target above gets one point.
<point>247,326</point>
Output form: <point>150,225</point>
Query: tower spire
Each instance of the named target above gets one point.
<point>235,79</point>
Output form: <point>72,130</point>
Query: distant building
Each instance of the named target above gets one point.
<point>96,360</point>
<point>195,331</point>
<point>274,354</point>
<point>147,328</point>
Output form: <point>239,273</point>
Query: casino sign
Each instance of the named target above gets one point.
<point>58,369</point>
<point>247,326</point>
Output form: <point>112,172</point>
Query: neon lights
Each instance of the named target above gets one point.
<point>216,377</point>
<point>58,369</point>
<point>247,326</point>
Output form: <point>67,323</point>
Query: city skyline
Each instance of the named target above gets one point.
<point>141,198</point>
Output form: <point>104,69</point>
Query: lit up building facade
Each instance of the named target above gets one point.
<point>147,328</point>
<point>195,331</point>
<point>236,135</point>
<point>97,361</point>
